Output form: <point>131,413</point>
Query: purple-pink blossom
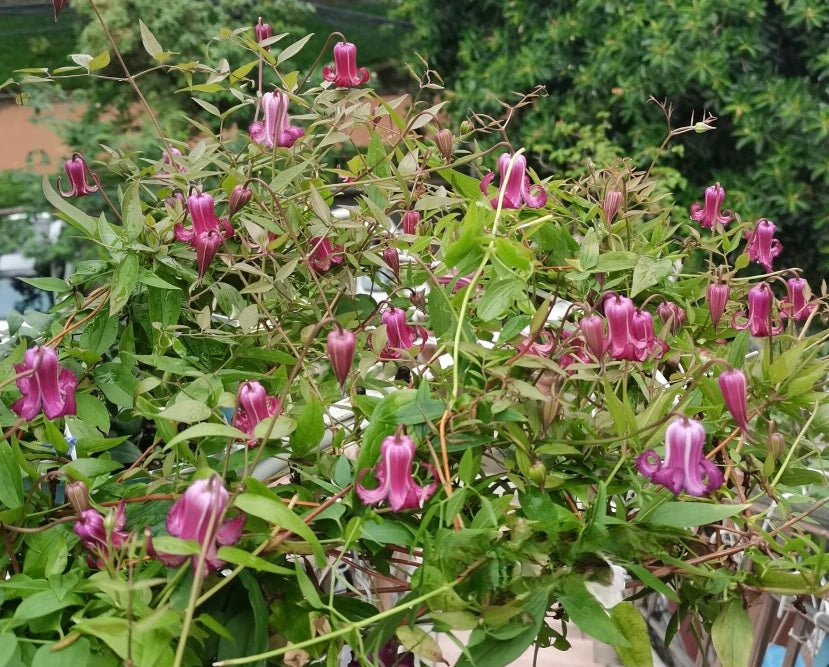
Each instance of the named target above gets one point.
<point>732,385</point>
<point>45,385</point>
<point>759,321</point>
<point>630,331</point>
<point>516,189</point>
<point>409,222</point>
<point>263,31</point>
<point>323,255</point>
<point>797,305</point>
<point>718,294</point>
<point>684,467</point>
<point>207,232</point>
<point>90,527</point>
<point>78,171</point>
<point>345,74</point>
<point>340,346</point>
<point>400,336</point>
<point>762,246</point>
<point>253,405</point>
<point>671,314</point>
<point>396,483</point>
<point>710,214</point>
<point>275,128</point>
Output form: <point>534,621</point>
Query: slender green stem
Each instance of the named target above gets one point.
<point>794,445</point>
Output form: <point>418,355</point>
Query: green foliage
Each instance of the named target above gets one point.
<point>761,67</point>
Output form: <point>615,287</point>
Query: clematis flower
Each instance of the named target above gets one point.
<point>631,331</point>
<point>345,73</point>
<point>77,170</point>
<point>516,190</point>
<point>458,283</point>
<point>252,406</point>
<point>92,530</point>
<point>275,128</point>
<point>710,214</point>
<point>672,314</point>
<point>392,259</point>
<point>239,196</point>
<point>340,346</point>
<point>610,205</point>
<point>168,157</point>
<point>207,232</point>
<point>718,294</point>
<point>759,320</point>
<point>323,255</point>
<point>444,141</point>
<point>263,31</point>
<point>574,351</point>
<point>393,472</point>
<point>197,515</point>
<point>732,385</point>
<point>762,246</point>
<point>399,335</point>
<point>592,330</point>
<point>410,221</point>
<point>684,467</point>
<point>796,305</point>
<point>647,344</point>
<point>542,346</point>
<point>59,6</point>
<point>46,385</point>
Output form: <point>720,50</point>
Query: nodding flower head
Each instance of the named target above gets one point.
<point>207,232</point>
<point>592,331</point>
<point>253,405</point>
<point>759,321</point>
<point>263,31</point>
<point>762,246</point>
<point>684,467</point>
<point>323,255</point>
<point>444,142</point>
<point>345,73</point>
<point>718,294</point>
<point>410,221</point>
<point>710,214</point>
<point>275,128</point>
<point>396,483</point>
<point>239,196</point>
<point>92,529</point>
<point>610,205</point>
<point>45,385</point>
<point>631,331</point>
<point>732,385</point>
<point>170,156</point>
<point>400,336</point>
<point>515,189</point>
<point>340,346</point>
<point>671,314</point>
<point>77,171</point>
<point>391,257</point>
<point>796,305</point>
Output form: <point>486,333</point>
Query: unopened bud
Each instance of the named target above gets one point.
<point>409,222</point>
<point>418,300</point>
<point>776,441</point>
<point>263,31</point>
<point>538,473</point>
<point>392,259</point>
<point>466,126</point>
<point>701,128</point>
<point>443,140</point>
<point>340,346</point>
<point>77,493</point>
<point>239,196</point>
<point>610,205</point>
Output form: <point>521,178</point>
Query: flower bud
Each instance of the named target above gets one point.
<point>776,441</point>
<point>239,196</point>
<point>718,294</point>
<point>340,346</point>
<point>592,330</point>
<point>702,128</point>
<point>409,222</point>
<point>77,493</point>
<point>610,205</point>
<point>733,387</point>
<point>392,259</point>
<point>443,140</point>
<point>538,473</point>
<point>670,312</point>
<point>263,31</point>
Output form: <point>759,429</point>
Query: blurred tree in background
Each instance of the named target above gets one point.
<point>761,67</point>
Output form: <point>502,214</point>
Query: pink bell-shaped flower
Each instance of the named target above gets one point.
<point>796,305</point>
<point>198,515</point>
<point>239,196</point>
<point>207,232</point>
<point>400,336</point>
<point>393,472</point>
<point>275,128</point>
<point>391,257</point>
<point>77,171</point>
<point>732,385</point>
<point>684,467</point>
<point>324,256</point>
<point>516,190</point>
<point>671,314</point>
<point>252,406</point>
<point>718,294</point>
<point>759,321</point>
<point>710,214</point>
<point>45,385</point>
<point>409,222</point>
<point>263,31</point>
<point>340,346</point>
<point>592,331</point>
<point>92,530</point>
<point>345,73</point>
<point>762,246</point>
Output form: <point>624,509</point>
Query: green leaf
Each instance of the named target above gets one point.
<point>73,215</point>
<point>131,212</point>
<point>11,484</point>
<point>123,282</point>
<point>98,62</point>
<point>48,284</point>
<point>733,635</point>
<point>293,49</point>
<point>585,611</point>
<point>100,333</point>
<point>276,513</point>
<point>419,642</point>
<point>247,559</point>
<point>309,591</point>
<point>151,44</point>
<point>498,296</point>
<point>628,618</point>
<point>186,410</point>
<point>589,250</point>
<point>116,381</point>
<point>86,469</point>
<point>165,544</point>
<point>616,260</point>
<point>648,272</point>
<point>208,430</point>
<point>690,514</point>
<point>44,602</point>
<point>9,650</point>
<point>310,429</point>
<point>387,532</point>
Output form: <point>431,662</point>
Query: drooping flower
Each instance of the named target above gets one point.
<point>573,351</point>
<point>458,282</point>
<point>207,232</point>
<point>718,294</point>
<point>45,385</point>
<point>592,330</point>
<point>671,314</point>
<point>92,530</point>
<point>541,346</point>
<point>393,472</point>
<point>392,259</point>
<point>444,141</point>
<point>796,305</point>
<point>275,128</point>
<point>198,515</point>
<point>410,221</point>
<point>400,336</point>
<point>647,344</point>
<point>340,346</point>
<point>252,406</point>
<point>631,331</point>
<point>732,385</point>
<point>239,196</point>
<point>168,157</point>
<point>263,31</point>
<point>345,74</point>
<point>516,191</point>
<point>684,467</point>
<point>759,321</point>
<point>762,246</point>
<point>710,214</point>
<point>77,170</point>
<point>610,205</point>
<point>323,255</point>
<point>59,6</point>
